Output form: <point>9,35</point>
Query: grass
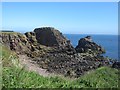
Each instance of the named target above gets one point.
<point>9,32</point>
<point>16,77</point>
<point>104,77</point>
<point>9,58</point>
<point>20,78</point>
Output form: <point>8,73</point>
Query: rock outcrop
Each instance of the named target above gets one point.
<point>86,45</point>
<point>51,37</point>
<point>14,41</point>
<point>41,40</point>
<point>20,43</point>
<point>52,51</point>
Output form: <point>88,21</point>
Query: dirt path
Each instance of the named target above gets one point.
<point>29,65</point>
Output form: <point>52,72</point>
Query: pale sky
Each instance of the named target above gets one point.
<point>69,18</point>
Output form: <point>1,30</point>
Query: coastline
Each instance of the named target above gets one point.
<point>50,49</point>
<point>104,40</point>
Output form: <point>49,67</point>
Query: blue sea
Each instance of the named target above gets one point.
<point>108,42</point>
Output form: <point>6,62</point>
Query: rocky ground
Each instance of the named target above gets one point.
<point>32,66</point>
<point>49,49</point>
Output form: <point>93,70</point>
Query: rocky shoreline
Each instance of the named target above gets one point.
<point>48,48</point>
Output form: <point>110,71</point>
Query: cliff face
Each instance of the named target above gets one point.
<point>46,39</point>
<point>51,50</point>
<point>20,43</point>
<point>51,37</point>
<point>15,41</point>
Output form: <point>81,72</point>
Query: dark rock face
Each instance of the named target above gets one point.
<point>51,37</point>
<point>87,45</point>
<point>116,65</point>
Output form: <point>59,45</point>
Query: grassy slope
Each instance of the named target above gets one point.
<point>16,77</point>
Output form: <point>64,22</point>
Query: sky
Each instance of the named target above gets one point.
<point>68,17</point>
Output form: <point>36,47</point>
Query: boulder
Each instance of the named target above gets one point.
<point>87,45</point>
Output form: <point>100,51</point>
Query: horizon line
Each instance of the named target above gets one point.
<point>66,33</point>
<point>91,34</point>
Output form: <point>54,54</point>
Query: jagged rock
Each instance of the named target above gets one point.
<point>13,41</point>
<point>19,42</point>
<point>51,37</point>
<point>31,37</point>
<point>87,45</point>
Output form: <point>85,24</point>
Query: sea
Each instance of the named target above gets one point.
<point>108,42</point>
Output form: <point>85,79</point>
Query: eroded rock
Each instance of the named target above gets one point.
<point>52,37</point>
<point>86,45</point>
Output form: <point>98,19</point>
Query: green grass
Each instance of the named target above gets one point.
<point>9,32</point>
<point>17,77</point>
<point>9,58</point>
<point>104,77</point>
<point>20,78</point>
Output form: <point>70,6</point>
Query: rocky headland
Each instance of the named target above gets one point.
<point>52,51</point>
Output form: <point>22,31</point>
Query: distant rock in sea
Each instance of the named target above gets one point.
<point>87,45</point>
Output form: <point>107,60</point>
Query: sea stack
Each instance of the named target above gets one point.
<point>87,45</point>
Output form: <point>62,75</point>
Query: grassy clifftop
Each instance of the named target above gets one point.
<point>17,77</point>
<point>20,78</point>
